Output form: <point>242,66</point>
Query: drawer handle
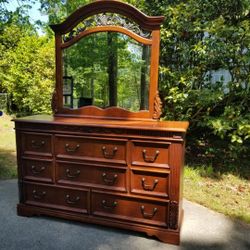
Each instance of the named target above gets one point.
<point>37,170</point>
<point>37,144</point>
<point>109,206</point>
<point>38,196</point>
<point>70,175</point>
<point>109,155</point>
<point>147,186</point>
<point>150,158</point>
<point>69,200</point>
<point>109,180</point>
<point>147,215</point>
<point>71,149</point>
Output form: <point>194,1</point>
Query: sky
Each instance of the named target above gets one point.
<point>34,13</point>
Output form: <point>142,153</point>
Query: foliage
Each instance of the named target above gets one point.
<point>26,63</point>
<point>198,39</point>
<point>28,72</point>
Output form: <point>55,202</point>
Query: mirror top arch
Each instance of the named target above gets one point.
<point>102,6</point>
<point>108,16</point>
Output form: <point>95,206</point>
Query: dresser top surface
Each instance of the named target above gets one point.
<point>175,126</point>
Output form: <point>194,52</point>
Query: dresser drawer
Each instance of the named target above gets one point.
<point>149,183</point>
<point>91,175</point>
<point>36,143</point>
<point>93,149</point>
<point>56,197</point>
<point>38,170</point>
<point>147,153</point>
<point>131,209</point>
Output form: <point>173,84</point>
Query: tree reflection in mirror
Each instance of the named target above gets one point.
<point>107,69</point>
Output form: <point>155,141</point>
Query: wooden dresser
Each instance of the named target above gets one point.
<point>106,166</point>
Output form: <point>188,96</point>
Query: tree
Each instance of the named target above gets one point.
<point>29,74</point>
<point>26,61</point>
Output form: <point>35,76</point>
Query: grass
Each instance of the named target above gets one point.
<point>8,164</point>
<point>226,193</point>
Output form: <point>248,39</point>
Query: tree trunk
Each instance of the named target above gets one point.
<point>144,72</point>
<point>112,68</point>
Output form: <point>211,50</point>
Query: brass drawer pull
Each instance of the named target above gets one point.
<point>147,215</point>
<point>147,186</point>
<point>109,180</point>
<point>109,155</point>
<point>70,175</point>
<point>37,144</point>
<point>150,158</point>
<point>69,200</point>
<point>71,149</point>
<point>38,195</point>
<point>37,170</point>
<point>109,206</point>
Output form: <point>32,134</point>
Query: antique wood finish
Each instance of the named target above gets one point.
<point>105,166</point>
<point>125,188</point>
<point>37,169</point>
<point>91,175</point>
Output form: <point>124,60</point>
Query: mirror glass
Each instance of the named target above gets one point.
<point>106,69</point>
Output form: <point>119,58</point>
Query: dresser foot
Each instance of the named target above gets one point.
<point>22,210</point>
<point>166,237</point>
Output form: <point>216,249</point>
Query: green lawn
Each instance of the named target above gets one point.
<point>225,193</point>
<point>7,148</point>
<point>228,194</point>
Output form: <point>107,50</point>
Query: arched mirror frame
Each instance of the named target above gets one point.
<point>150,24</point>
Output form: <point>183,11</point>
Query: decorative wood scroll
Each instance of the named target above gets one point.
<point>157,106</point>
<point>106,19</point>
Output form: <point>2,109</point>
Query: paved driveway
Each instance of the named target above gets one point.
<point>202,229</point>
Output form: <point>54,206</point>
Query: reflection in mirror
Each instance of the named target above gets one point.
<point>106,69</point>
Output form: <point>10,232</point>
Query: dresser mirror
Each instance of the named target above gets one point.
<point>106,69</point>
<point>107,64</point>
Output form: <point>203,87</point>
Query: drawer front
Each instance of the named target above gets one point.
<point>35,143</point>
<point>147,153</point>
<point>149,183</point>
<point>89,175</point>
<point>38,170</point>
<point>56,197</point>
<point>130,209</point>
<point>93,149</point>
